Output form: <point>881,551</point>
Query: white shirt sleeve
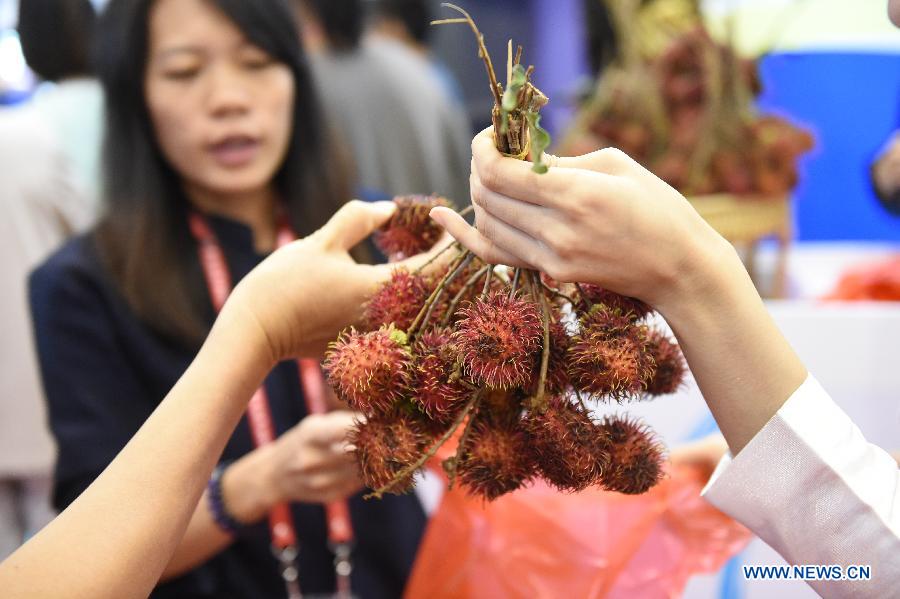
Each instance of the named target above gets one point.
<point>812,487</point>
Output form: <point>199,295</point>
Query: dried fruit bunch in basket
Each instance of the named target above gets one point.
<point>503,361</point>
<point>687,113</point>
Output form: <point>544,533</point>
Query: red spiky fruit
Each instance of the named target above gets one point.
<point>385,445</point>
<point>410,230</point>
<point>397,301</point>
<point>495,460</point>
<point>670,365</point>
<point>502,407</point>
<point>568,447</point>
<point>636,456</point>
<point>436,385</point>
<point>371,371</point>
<point>497,338</point>
<point>594,294</point>
<point>610,356</point>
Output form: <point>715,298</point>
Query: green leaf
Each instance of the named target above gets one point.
<point>510,98</point>
<point>540,141</point>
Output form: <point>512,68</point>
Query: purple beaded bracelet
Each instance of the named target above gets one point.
<point>223,519</point>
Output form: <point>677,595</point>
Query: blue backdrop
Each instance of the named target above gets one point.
<point>851,101</point>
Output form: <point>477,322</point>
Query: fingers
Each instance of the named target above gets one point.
<point>514,178</point>
<point>525,249</point>
<point>528,218</point>
<point>354,222</point>
<point>610,161</point>
<point>327,430</point>
<point>467,235</point>
<point>324,485</point>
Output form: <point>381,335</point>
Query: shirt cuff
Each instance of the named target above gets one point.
<point>755,450</point>
<point>808,443</point>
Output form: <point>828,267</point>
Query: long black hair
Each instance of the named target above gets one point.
<point>143,237</point>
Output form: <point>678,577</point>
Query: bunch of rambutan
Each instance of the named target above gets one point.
<point>506,359</point>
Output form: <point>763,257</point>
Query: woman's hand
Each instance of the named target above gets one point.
<point>312,462</point>
<point>599,218</point>
<point>602,218</point>
<point>304,294</point>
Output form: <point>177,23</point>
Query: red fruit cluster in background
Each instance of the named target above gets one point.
<point>462,348</point>
<point>687,115</point>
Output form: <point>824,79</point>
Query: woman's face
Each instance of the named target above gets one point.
<point>221,107</point>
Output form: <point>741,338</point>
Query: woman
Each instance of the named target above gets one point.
<point>803,476</point>
<point>211,120</point>
<point>43,200</point>
<point>57,37</point>
<point>115,539</point>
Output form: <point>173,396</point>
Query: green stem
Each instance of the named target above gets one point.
<point>515,283</point>
<point>482,49</point>
<point>581,400</point>
<point>539,401</point>
<point>584,297</point>
<point>411,331</point>
<point>487,281</point>
<point>558,293</point>
<point>436,256</point>
<point>462,266</point>
<point>460,449</point>
<point>458,297</point>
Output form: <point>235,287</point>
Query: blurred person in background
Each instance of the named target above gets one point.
<point>409,21</point>
<point>406,133</point>
<point>214,141</point>
<point>114,541</point>
<point>43,200</point>
<point>886,175</point>
<point>57,41</point>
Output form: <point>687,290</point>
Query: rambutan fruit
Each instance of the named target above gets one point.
<point>501,407</point>
<point>397,301</point>
<point>497,338</point>
<point>410,230</point>
<point>636,456</point>
<point>435,389</point>
<point>610,356</point>
<point>606,321</point>
<point>567,446</point>
<point>594,294</point>
<point>495,460</point>
<point>670,365</point>
<point>370,371</point>
<point>385,445</point>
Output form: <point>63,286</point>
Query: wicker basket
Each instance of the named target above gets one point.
<point>747,220</point>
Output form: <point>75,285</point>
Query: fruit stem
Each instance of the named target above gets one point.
<point>411,469</point>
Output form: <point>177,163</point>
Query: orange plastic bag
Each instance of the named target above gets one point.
<point>872,282</point>
<point>538,543</point>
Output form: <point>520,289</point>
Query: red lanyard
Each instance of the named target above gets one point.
<point>259,417</point>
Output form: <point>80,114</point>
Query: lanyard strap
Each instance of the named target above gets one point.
<point>262,428</point>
